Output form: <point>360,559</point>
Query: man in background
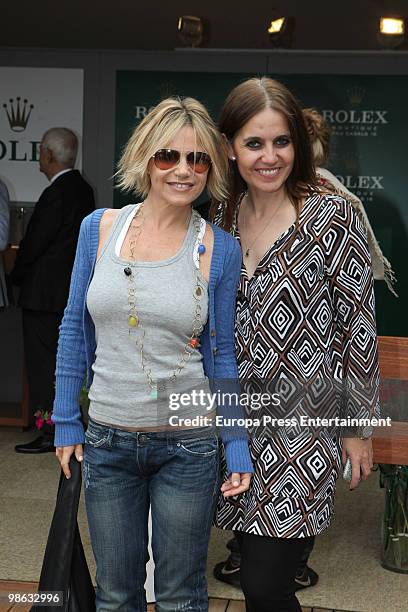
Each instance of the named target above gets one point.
<point>43,270</point>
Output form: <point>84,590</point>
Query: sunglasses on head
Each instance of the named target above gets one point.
<point>164,159</point>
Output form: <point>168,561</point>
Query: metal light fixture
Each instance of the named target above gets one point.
<point>391,31</point>
<point>191,30</point>
<point>281,31</point>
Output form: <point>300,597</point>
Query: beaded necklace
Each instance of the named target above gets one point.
<point>133,319</point>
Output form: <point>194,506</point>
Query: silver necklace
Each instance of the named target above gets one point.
<point>249,248</point>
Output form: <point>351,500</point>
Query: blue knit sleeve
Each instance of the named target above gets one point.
<point>234,436</point>
<point>71,356</point>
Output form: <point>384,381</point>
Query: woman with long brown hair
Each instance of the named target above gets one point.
<point>305,328</point>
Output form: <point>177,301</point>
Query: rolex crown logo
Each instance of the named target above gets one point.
<point>18,113</point>
<point>355,95</point>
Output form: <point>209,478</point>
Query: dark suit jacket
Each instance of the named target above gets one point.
<point>46,254</point>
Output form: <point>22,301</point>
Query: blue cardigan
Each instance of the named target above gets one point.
<point>77,343</point>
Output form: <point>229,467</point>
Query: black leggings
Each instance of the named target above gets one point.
<point>268,570</point>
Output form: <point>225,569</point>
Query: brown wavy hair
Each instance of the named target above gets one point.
<point>244,102</point>
<point>319,134</point>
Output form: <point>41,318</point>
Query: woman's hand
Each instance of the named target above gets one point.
<point>361,455</point>
<point>236,484</point>
<point>64,455</point>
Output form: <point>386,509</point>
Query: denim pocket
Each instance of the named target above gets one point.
<point>97,435</point>
<point>201,447</point>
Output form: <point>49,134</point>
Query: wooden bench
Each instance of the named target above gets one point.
<point>390,445</point>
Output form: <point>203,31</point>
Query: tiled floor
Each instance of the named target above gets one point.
<point>216,605</point>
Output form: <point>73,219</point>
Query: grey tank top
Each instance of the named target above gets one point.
<point>120,393</point>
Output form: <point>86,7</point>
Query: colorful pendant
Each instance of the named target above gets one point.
<point>201,249</point>
<point>133,320</point>
<point>198,291</point>
<point>153,393</point>
<point>194,343</point>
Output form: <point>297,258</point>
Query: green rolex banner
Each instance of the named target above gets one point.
<point>369,123</point>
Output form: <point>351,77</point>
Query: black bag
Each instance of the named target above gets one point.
<point>64,567</point>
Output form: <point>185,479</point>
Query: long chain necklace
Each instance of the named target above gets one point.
<point>249,248</point>
<point>135,326</point>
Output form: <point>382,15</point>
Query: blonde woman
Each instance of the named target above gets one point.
<point>151,309</point>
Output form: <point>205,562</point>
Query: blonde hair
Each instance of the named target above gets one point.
<point>157,130</point>
<point>319,134</point>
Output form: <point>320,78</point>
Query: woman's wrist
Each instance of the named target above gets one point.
<point>238,457</point>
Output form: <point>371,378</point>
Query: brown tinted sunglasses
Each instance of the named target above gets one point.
<point>164,159</point>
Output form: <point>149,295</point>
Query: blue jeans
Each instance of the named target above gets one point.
<point>177,474</point>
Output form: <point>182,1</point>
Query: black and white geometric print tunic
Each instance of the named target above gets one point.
<point>305,319</point>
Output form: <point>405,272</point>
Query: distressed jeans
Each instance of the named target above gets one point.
<point>176,473</point>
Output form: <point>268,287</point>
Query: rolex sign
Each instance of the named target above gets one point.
<point>32,100</point>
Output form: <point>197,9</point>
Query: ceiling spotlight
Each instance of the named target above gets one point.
<point>392,26</point>
<point>191,30</point>
<point>392,32</point>
<point>276,25</point>
<point>281,31</point>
